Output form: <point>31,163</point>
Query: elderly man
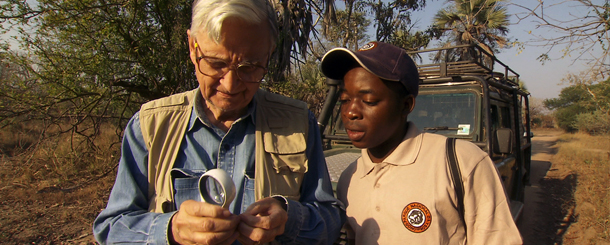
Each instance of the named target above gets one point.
<point>268,144</point>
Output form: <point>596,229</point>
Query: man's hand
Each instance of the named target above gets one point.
<point>203,223</point>
<point>262,222</point>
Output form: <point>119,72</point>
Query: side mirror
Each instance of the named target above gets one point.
<point>503,141</point>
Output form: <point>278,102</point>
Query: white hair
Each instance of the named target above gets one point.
<point>208,15</point>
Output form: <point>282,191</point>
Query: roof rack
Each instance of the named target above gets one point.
<point>474,60</point>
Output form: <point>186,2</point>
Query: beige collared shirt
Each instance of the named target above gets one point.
<point>409,198</point>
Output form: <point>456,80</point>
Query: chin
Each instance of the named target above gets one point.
<point>226,105</point>
<point>359,145</point>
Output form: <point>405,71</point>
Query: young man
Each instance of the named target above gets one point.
<point>268,144</point>
<point>400,190</point>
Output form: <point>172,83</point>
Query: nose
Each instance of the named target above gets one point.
<point>230,81</point>
<point>351,111</point>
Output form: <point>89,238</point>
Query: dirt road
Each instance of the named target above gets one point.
<point>537,223</point>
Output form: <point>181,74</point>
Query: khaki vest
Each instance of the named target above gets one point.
<point>281,140</point>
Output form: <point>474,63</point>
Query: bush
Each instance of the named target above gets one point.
<point>566,117</point>
<point>595,123</point>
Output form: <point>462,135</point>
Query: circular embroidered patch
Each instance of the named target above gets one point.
<point>368,46</point>
<point>416,217</point>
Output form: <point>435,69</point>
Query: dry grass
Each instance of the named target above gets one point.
<point>45,158</point>
<point>53,186</point>
<point>588,157</point>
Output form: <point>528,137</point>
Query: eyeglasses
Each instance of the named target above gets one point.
<point>218,68</point>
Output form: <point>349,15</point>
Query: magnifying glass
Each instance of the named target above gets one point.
<point>216,187</point>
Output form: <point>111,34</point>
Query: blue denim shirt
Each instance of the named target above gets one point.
<point>316,219</point>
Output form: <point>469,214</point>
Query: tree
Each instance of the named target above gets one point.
<point>392,21</point>
<point>579,35</point>
<point>306,83</point>
<point>538,113</point>
<point>350,30</point>
<point>392,16</point>
<point>589,98</point>
<point>296,26</point>
<point>95,61</point>
<point>597,90</point>
<point>567,106</point>
<point>482,22</point>
<point>410,39</point>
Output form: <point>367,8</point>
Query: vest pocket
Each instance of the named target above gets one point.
<point>282,163</point>
<point>288,174</point>
<point>289,163</point>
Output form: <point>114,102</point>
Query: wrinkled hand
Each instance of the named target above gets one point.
<point>203,223</point>
<point>262,222</point>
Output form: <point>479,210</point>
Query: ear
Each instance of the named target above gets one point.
<point>409,104</point>
<point>192,47</point>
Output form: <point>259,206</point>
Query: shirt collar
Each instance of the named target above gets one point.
<point>405,153</point>
<point>198,113</point>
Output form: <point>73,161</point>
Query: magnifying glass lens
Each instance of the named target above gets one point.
<point>215,192</point>
<point>216,187</point>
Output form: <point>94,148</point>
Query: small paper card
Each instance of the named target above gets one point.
<point>464,129</point>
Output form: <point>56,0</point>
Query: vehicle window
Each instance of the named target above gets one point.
<point>506,122</point>
<point>447,114</point>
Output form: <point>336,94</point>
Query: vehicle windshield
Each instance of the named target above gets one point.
<point>445,113</point>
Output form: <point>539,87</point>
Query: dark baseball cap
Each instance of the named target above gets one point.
<point>385,61</point>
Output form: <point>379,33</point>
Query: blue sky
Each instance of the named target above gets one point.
<point>543,81</point>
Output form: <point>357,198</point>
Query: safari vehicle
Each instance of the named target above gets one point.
<point>464,99</point>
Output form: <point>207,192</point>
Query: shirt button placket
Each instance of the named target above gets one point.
<point>226,156</point>
<point>230,159</point>
<point>375,204</point>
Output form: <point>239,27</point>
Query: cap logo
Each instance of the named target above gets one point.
<point>416,217</point>
<point>368,46</point>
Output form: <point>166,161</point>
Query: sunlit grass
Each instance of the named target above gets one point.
<point>589,158</point>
